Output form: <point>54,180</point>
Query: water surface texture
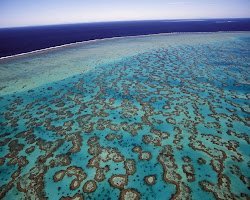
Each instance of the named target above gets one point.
<point>156,117</point>
<point>25,39</point>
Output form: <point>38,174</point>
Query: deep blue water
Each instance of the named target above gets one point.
<point>25,39</point>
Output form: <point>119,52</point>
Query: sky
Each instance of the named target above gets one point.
<point>14,13</point>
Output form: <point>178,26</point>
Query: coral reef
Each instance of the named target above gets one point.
<point>170,123</point>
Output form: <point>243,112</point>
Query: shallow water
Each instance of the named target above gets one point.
<point>168,118</point>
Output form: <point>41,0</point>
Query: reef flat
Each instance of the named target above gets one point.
<point>156,117</point>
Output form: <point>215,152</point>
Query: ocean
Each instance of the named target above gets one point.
<point>158,116</point>
<point>25,39</point>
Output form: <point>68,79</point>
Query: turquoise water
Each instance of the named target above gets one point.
<point>165,120</point>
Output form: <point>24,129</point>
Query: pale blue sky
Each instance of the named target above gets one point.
<point>41,12</point>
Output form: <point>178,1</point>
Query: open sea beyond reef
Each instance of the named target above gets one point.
<point>148,117</point>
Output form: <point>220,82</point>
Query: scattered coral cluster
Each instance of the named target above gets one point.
<point>165,124</point>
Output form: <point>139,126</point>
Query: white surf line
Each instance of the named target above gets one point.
<point>183,20</point>
<point>112,38</point>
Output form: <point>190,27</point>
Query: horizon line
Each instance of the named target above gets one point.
<point>136,20</point>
